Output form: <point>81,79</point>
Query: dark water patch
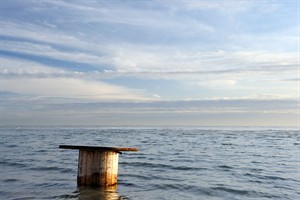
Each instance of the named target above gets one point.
<point>245,193</point>
<point>283,187</point>
<point>10,180</point>
<point>183,188</point>
<point>186,168</point>
<point>48,184</point>
<point>139,157</point>
<point>181,160</point>
<point>256,170</point>
<point>54,168</point>
<point>268,177</point>
<point>67,170</point>
<point>257,155</point>
<point>225,167</point>
<point>149,177</point>
<point>129,184</point>
<point>162,166</point>
<point>11,146</point>
<point>66,196</point>
<point>232,191</point>
<point>256,162</point>
<point>13,164</point>
<point>42,151</point>
<point>255,181</point>
<point>132,185</point>
<point>137,176</point>
<point>227,144</point>
<point>25,198</point>
<point>277,178</point>
<point>145,164</point>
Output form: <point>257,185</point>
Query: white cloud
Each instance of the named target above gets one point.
<point>34,37</point>
<point>156,96</point>
<point>115,13</point>
<point>21,67</point>
<point>218,83</point>
<point>221,6</point>
<point>70,88</point>
<point>148,59</point>
<point>149,41</point>
<point>39,33</point>
<point>47,51</point>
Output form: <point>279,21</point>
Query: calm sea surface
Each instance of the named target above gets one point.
<point>173,163</point>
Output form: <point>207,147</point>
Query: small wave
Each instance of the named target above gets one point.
<point>163,166</point>
<point>129,184</point>
<point>50,184</point>
<point>227,144</point>
<point>230,190</point>
<point>66,196</point>
<point>255,162</point>
<point>183,188</point>
<point>48,168</point>
<point>275,178</point>
<point>225,167</point>
<point>145,164</point>
<point>283,187</point>
<point>13,164</point>
<point>42,151</point>
<point>150,177</point>
<point>267,177</point>
<point>249,193</point>
<point>139,176</point>
<point>10,180</point>
<point>11,146</point>
<point>67,170</point>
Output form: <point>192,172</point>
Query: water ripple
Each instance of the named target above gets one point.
<point>173,163</point>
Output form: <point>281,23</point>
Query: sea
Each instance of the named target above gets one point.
<point>172,163</point>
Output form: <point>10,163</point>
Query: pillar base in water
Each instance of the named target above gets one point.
<point>98,168</point>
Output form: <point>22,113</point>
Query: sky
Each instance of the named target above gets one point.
<point>149,63</point>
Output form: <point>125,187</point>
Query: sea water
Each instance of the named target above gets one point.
<point>173,163</point>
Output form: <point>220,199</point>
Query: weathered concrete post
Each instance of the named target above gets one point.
<point>97,166</point>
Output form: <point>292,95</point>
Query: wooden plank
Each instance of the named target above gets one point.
<point>102,169</point>
<point>114,171</point>
<point>89,168</point>
<point>116,167</point>
<point>82,168</point>
<point>109,168</point>
<point>96,148</point>
<point>96,168</point>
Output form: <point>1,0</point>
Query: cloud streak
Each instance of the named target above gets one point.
<point>149,57</point>
<point>70,88</point>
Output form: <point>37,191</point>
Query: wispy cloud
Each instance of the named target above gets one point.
<point>150,52</point>
<point>38,33</point>
<point>34,79</point>
<point>47,51</point>
<point>71,88</point>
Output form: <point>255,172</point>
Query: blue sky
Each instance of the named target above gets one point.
<point>150,63</point>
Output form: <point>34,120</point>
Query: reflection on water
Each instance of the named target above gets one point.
<point>96,193</point>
